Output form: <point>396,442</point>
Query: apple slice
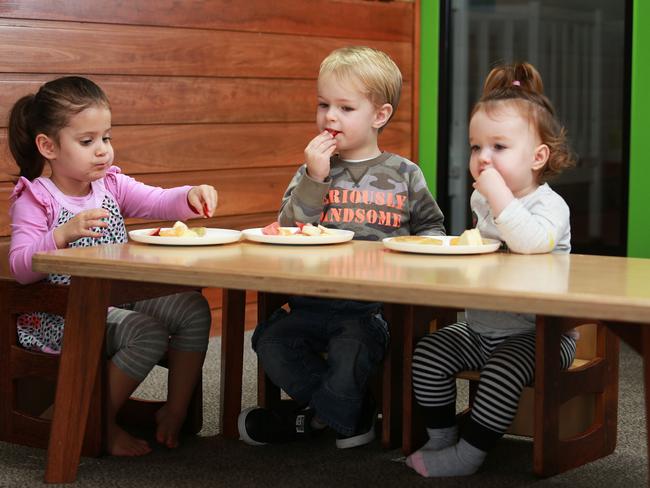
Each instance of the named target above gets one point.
<point>324,230</point>
<point>310,230</point>
<point>272,229</point>
<point>334,132</point>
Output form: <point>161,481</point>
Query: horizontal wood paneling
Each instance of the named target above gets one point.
<point>186,100</point>
<point>217,91</point>
<point>27,47</point>
<point>160,149</point>
<point>382,20</point>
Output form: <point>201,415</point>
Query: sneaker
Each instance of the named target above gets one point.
<point>259,426</point>
<point>365,429</point>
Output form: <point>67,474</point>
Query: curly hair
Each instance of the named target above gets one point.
<point>521,84</point>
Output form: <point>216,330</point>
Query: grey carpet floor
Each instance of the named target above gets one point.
<point>208,460</point>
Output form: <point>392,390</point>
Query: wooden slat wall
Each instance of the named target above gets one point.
<point>215,91</point>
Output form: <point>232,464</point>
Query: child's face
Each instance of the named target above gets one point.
<point>84,151</point>
<point>343,107</point>
<point>505,140</point>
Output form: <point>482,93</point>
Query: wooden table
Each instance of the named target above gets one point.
<point>608,288</point>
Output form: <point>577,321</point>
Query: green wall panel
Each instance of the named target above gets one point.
<point>428,134</point>
<point>638,233</point>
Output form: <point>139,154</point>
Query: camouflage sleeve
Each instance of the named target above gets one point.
<point>303,200</point>
<point>426,216</point>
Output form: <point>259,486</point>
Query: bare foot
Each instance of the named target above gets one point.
<point>169,426</point>
<point>121,443</point>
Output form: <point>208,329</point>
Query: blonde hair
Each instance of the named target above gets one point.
<point>521,84</point>
<point>380,78</point>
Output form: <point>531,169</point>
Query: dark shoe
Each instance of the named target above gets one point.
<point>365,432</point>
<point>258,426</point>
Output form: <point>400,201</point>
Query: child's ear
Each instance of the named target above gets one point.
<point>46,146</point>
<point>382,114</point>
<point>542,152</point>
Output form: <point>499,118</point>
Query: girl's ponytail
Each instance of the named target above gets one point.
<point>522,76</point>
<point>22,143</point>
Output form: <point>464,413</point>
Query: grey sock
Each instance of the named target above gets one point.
<point>461,459</point>
<point>441,438</point>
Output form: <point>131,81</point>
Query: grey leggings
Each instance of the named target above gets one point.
<point>137,337</point>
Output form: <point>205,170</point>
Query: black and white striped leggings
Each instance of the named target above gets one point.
<point>506,364</point>
<point>137,337</point>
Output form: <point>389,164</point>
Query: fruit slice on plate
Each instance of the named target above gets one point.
<point>181,230</point>
<point>274,229</point>
<point>470,237</point>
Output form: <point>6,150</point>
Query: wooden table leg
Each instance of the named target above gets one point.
<point>232,357</point>
<point>392,380</point>
<point>268,394</point>
<point>85,324</point>
<point>637,336</point>
<point>546,446</point>
<point>416,324</point>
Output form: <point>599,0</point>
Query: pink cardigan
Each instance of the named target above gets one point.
<point>35,209</point>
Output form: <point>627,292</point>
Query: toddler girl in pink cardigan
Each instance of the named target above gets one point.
<point>67,125</point>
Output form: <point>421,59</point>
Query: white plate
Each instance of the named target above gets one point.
<point>212,236</point>
<point>335,237</point>
<point>490,245</point>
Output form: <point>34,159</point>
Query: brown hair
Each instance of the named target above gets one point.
<point>47,112</point>
<point>521,84</point>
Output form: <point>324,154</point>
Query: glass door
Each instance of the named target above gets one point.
<point>581,49</point>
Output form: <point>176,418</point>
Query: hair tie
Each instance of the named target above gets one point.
<point>516,83</point>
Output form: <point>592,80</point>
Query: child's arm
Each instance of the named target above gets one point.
<point>534,230</point>
<point>303,200</point>
<point>426,216</point>
<point>30,233</point>
<point>149,202</point>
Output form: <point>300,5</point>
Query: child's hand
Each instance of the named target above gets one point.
<point>317,155</point>
<point>84,224</point>
<point>493,187</point>
<point>203,199</point>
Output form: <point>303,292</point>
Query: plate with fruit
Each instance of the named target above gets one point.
<point>469,242</point>
<point>182,235</point>
<point>301,235</point>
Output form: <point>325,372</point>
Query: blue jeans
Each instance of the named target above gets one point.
<point>290,347</point>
